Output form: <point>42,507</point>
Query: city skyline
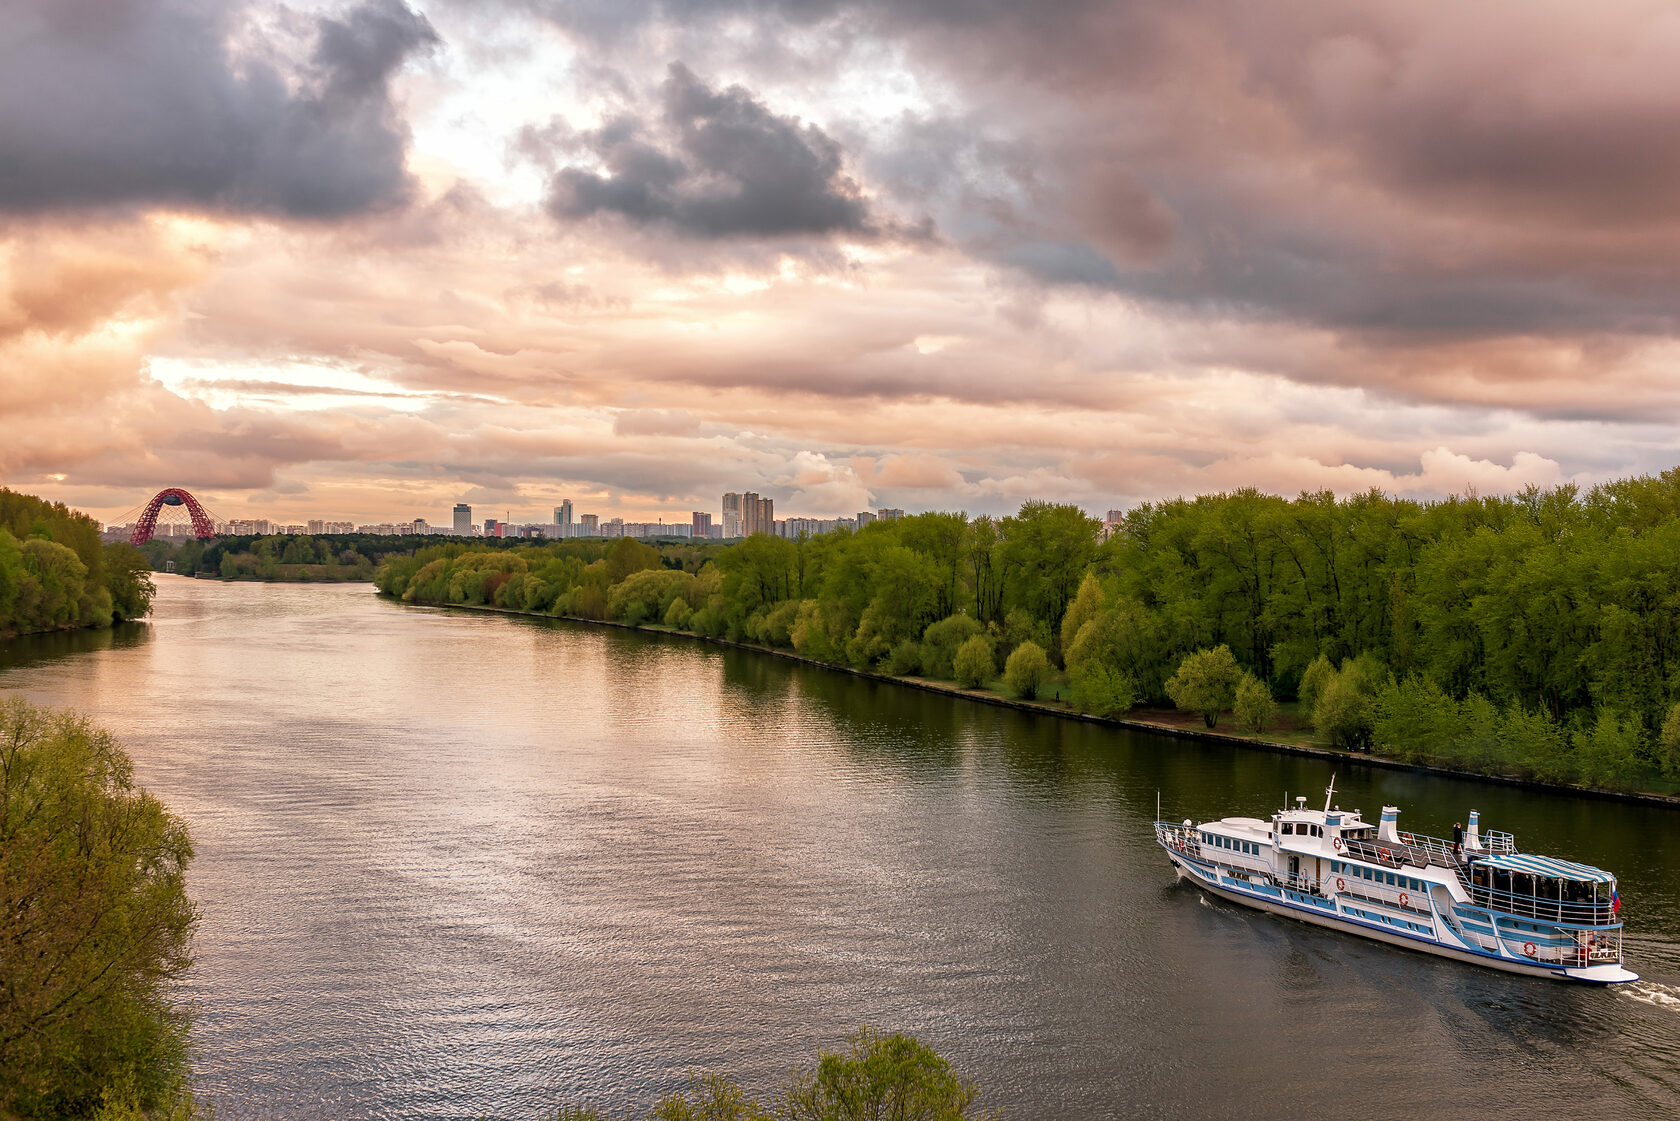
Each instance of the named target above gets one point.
<point>844,255</point>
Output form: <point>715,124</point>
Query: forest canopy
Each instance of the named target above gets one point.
<point>1536,633</point>
<point>55,573</point>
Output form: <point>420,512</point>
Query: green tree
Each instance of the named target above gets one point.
<point>941,641</point>
<point>973,665</point>
<point>1253,707</point>
<point>1343,711</point>
<point>1206,682</point>
<point>1086,605</point>
<point>94,924</point>
<point>1608,752</point>
<point>1026,670</point>
<point>679,613</point>
<point>1669,741</point>
<point>1102,690</point>
<point>1313,679</point>
<point>880,1078</point>
<point>1046,550</point>
<point>128,577</point>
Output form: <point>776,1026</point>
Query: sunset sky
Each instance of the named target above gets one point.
<point>365,261</point>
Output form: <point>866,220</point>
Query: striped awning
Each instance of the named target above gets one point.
<point>1548,866</point>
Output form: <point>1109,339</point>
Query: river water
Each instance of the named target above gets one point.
<point>454,864</point>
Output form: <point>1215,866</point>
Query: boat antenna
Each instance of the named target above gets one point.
<point>1157,804</point>
<point>1330,792</point>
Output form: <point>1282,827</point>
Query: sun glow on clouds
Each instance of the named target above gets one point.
<point>279,385</point>
<point>897,256</point>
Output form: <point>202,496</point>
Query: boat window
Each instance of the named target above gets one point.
<point>1289,827</point>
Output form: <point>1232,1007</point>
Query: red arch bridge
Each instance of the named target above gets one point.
<point>174,498</point>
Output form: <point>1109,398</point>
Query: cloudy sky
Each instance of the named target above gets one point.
<point>367,260</point>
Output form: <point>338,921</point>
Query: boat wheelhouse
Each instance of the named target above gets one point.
<point>1479,900</point>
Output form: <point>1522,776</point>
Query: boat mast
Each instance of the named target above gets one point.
<point>1329,791</point>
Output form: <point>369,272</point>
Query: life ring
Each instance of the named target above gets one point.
<point>1528,948</point>
<point>1336,844</point>
<point>1404,899</point>
<point>1341,884</point>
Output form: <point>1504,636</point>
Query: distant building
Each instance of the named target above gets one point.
<point>732,515</point>
<point>316,525</point>
<point>563,516</point>
<point>492,527</point>
<point>758,515</point>
<point>1115,517</point>
<point>590,525</point>
<point>889,515</point>
<point>702,524</point>
<point>463,520</point>
<point>293,530</point>
<point>864,518</point>
<point>420,526</point>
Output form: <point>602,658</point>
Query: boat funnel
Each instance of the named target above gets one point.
<point>1473,834</point>
<point>1386,830</point>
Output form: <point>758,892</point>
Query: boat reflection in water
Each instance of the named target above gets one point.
<point>1479,900</point>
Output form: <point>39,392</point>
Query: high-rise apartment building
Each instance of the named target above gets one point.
<point>732,515</point>
<point>702,524</point>
<point>758,515</point>
<point>563,515</point>
<point>889,515</point>
<point>463,520</point>
<point>864,518</point>
<point>590,525</point>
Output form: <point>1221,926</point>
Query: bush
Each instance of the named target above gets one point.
<point>1026,670</point>
<point>1206,682</point>
<point>906,658</point>
<point>973,664</point>
<point>94,924</point>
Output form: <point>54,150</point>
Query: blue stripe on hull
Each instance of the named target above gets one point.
<point>1247,894</point>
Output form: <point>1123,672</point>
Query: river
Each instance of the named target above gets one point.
<point>455,864</point>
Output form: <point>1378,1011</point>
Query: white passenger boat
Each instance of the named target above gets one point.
<point>1480,901</point>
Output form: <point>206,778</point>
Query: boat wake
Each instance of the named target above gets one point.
<point>1652,993</point>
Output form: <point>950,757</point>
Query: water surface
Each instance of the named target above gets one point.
<point>454,864</point>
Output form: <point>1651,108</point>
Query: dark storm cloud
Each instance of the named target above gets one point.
<point>1387,169</point>
<point>144,102</point>
<point>733,169</point>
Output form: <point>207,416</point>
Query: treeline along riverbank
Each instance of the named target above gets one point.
<point>56,574</point>
<point>1536,635</point>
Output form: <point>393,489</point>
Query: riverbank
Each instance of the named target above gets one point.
<point>1045,708</point>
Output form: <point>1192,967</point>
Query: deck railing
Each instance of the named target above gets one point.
<point>1549,910</point>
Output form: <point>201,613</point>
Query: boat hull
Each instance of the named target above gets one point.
<point>1188,869</point>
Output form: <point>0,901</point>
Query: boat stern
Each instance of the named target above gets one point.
<point>1601,974</point>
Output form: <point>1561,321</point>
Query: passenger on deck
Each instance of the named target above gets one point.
<point>1458,838</point>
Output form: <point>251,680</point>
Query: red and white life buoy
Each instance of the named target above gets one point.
<point>1528,948</point>
<point>1341,884</point>
<point>1404,899</point>
<point>1336,844</point>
